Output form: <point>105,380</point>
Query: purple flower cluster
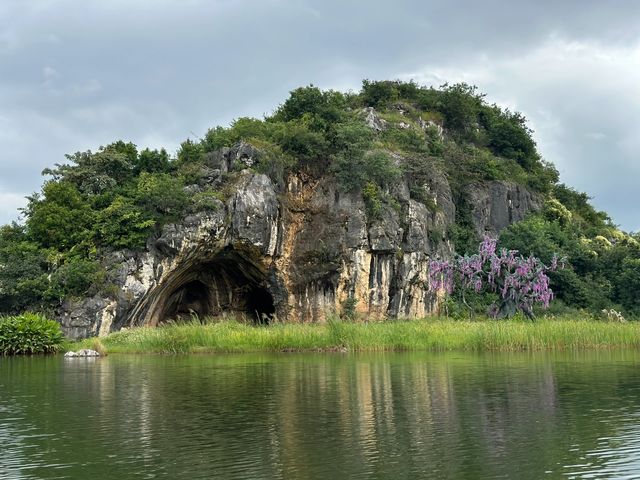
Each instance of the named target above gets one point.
<point>521,280</point>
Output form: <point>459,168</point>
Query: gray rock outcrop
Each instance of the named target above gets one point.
<point>496,205</point>
<point>296,252</point>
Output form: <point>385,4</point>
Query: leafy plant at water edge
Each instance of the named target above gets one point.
<point>28,334</point>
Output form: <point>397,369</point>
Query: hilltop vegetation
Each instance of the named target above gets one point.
<point>117,196</point>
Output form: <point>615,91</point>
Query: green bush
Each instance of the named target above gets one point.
<point>297,139</point>
<point>460,104</point>
<point>372,201</point>
<point>407,139</point>
<point>320,108</point>
<point>378,94</point>
<point>190,152</point>
<point>76,276</point>
<point>123,224</point>
<point>349,308</point>
<point>354,170</point>
<point>29,334</point>
<point>161,195</point>
<point>152,161</point>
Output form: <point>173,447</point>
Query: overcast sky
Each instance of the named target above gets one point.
<point>75,74</point>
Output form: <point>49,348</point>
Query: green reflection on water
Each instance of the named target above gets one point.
<point>413,415</point>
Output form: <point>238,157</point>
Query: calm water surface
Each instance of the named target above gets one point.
<point>302,416</point>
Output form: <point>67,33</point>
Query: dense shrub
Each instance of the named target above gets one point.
<point>161,195</point>
<point>76,276</point>
<point>460,104</point>
<point>356,169</point>
<point>29,334</point>
<point>190,152</point>
<point>321,108</point>
<point>61,218</point>
<point>123,224</point>
<point>302,142</point>
<point>378,94</point>
<point>22,269</point>
<point>152,161</point>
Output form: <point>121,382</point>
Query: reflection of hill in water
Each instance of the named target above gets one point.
<point>321,416</point>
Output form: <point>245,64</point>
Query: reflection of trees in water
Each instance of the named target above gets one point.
<point>14,436</point>
<point>304,416</point>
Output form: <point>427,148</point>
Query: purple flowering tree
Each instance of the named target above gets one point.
<point>520,282</point>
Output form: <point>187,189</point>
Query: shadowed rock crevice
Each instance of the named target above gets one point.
<point>193,298</point>
<point>228,285</point>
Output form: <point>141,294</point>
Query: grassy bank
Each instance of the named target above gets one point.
<point>437,335</point>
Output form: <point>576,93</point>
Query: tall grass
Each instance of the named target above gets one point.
<point>429,334</point>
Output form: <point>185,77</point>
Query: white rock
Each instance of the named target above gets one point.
<point>85,352</point>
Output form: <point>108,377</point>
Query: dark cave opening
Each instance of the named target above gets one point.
<point>260,304</point>
<point>190,299</point>
<point>228,286</point>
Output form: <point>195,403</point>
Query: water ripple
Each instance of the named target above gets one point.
<point>321,416</point>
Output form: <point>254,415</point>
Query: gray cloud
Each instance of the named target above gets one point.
<point>77,75</point>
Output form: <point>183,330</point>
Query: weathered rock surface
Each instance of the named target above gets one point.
<point>374,121</point>
<point>297,252</point>
<point>496,205</point>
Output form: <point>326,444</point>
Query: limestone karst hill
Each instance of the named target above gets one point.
<point>334,203</point>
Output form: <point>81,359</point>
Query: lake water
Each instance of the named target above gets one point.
<point>317,416</point>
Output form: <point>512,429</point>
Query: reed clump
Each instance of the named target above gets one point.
<point>437,334</point>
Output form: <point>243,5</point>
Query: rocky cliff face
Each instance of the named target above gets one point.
<point>297,252</point>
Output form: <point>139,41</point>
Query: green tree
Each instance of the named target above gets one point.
<point>354,170</point>
<point>298,140</point>
<point>378,94</point>
<point>95,173</point>
<point>320,108</point>
<point>61,218</point>
<point>161,194</point>
<point>23,270</point>
<point>509,136</point>
<point>152,161</point>
<point>190,152</point>
<point>123,225</point>
<point>76,276</point>
<point>460,104</point>
<point>627,285</point>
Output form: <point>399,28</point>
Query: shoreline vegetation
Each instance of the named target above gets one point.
<point>29,334</point>
<point>437,334</point>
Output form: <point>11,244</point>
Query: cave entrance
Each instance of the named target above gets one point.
<point>188,300</point>
<point>230,285</point>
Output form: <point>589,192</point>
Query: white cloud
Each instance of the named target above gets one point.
<point>90,87</point>
<point>153,71</point>
<point>575,95</point>
<point>596,136</point>
<point>10,202</point>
